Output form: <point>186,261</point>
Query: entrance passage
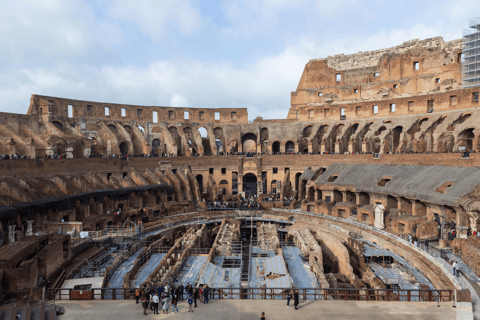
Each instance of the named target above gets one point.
<point>250,184</point>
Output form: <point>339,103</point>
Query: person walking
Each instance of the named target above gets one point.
<point>195,297</point>
<point>174,301</point>
<point>150,300</point>
<point>289,297</point>
<point>454,267</point>
<point>262,316</point>
<point>200,293</point>
<point>156,300</point>
<point>426,244</point>
<point>145,304</point>
<point>137,295</point>
<point>295,299</point>
<point>181,289</point>
<point>190,303</point>
<point>165,304</point>
<point>205,295</point>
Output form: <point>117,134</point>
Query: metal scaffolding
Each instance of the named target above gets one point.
<point>471,52</point>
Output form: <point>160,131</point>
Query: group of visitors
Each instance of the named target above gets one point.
<point>167,295</point>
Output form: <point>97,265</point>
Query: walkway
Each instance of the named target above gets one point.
<point>274,309</point>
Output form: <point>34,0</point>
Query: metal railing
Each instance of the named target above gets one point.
<point>278,294</point>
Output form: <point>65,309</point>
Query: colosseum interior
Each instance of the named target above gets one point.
<point>368,190</point>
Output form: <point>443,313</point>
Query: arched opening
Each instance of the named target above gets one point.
<point>249,142</point>
<point>276,147</point>
<point>420,209</point>
<point>250,184</point>
<point>337,196</point>
<point>307,131</point>
<point>223,186</point>
<point>264,134</point>
<point>351,197</point>
<point>289,147</point>
<point>311,194</point>
<point>364,198</point>
<point>465,139</point>
<point>58,125</point>
<point>199,178</point>
<point>396,138</point>
<point>128,129</point>
<point>156,146</point>
<point>219,144</point>
<point>392,202</point>
<point>318,194</point>
<point>112,128</point>
<point>297,179</point>
<point>406,205</point>
<point>203,132</point>
<point>123,148</point>
<point>273,186</point>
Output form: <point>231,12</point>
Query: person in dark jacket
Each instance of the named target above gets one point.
<point>205,294</point>
<point>181,289</point>
<point>195,297</point>
<point>295,299</point>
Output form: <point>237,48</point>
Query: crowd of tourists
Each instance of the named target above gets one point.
<point>168,296</point>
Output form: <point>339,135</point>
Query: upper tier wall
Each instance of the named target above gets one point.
<point>44,105</point>
<point>415,68</point>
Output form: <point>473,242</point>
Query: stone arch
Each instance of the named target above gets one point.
<point>289,147</point>
<point>318,194</point>
<point>466,139</point>
<point>112,128</point>
<point>364,198</point>
<point>264,134</point>
<point>420,209</point>
<point>297,180</point>
<point>311,193</point>
<point>156,146</point>
<point>392,202</point>
<point>249,142</point>
<point>58,124</point>
<point>396,132</point>
<point>351,197</point>
<point>128,129</point>
<point>275,147</point>
<point>250,184</point>
<point>199,178</point>
<point>273,186</point>
<point>337,196</point>
<point>405,205</point>
<point>123,147</point>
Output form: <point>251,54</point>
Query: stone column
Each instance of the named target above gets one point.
<point>379,217</point>
<point>11,234</point>
<point>350,146</point>
<point>29,231</point>
<point>69,152</point>
<point>322,147</point>
<point>310,147</point>
<point>337,147</point>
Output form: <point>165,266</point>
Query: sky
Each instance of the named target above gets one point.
<point>206,54</point>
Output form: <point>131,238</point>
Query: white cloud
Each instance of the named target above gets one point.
<point>179,101</point>
<point>157,17</point>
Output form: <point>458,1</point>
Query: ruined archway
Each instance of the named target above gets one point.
<point>199,178</point>
<point>123,147</point>
<point>249,142</point>
<point>276,147</point>
<point>290,147</point>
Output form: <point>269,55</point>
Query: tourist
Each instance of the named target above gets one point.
<point>454,267</point>
<point>190,303</point>
<point>195,297</point>
<point>145,304</point>
<point>205,294</point>
<point>295,299</point>
<point>137,295</point>
<point>426,244</point>
<point>165,304</point>
<point>156,300</point>
<point>150,300</point>
<point>200,293</point>
<point>262,316</point>
<point>174,301</point>
<point>289,296</point>
<point>180,291</point>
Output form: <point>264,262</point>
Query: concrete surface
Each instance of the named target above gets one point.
<point>251,309</point>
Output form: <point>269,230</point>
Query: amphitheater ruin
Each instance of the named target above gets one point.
<point>368,190</point>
